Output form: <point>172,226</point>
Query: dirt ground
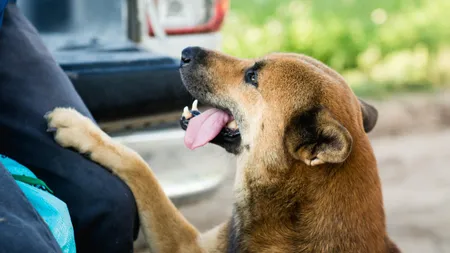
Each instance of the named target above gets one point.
<point>414,164</point>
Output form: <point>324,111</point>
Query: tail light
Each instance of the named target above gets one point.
<point>178,17</point>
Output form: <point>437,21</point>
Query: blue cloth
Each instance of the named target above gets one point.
<point>2,10</point>
<point>21,220</point>
<point>52,210</point>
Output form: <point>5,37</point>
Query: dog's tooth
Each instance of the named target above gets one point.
<point>232,124</point>
<point>195,105</point>
<point>186,113</point>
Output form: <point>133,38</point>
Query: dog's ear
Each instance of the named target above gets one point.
<point>316,137</point>
<point>369,115</point>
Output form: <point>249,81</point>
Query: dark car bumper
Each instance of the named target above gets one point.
<point>121,83</point>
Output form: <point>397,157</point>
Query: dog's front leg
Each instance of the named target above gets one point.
<point>166,230</point>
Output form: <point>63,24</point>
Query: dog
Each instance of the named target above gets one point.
<point>306,180</point>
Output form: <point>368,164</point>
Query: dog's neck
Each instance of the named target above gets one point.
<point>275,194</point>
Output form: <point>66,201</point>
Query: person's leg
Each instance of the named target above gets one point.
<point>101,206</point>
<point>19,222</point>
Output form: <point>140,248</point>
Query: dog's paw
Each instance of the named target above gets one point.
<point>71,129</point>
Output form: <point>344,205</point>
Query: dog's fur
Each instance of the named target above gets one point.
<point>307,178</point>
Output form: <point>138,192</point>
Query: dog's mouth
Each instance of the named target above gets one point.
<point>212,126</point>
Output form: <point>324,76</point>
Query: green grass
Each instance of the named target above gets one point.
<point>380,46</point>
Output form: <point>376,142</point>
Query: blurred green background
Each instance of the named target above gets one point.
<point>380,46</point>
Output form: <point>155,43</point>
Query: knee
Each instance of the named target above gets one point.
<point>120,205</point>
<point>110,221</point>
<point>102,198</point>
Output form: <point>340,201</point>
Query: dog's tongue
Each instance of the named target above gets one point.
<point>205,127</point>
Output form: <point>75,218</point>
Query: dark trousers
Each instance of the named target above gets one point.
<point>101,206</point>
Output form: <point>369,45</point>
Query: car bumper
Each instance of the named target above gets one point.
<point>186,176</point>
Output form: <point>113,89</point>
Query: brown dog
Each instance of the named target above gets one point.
<point>307,178</point>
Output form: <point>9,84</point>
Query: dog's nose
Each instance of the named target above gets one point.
<point>188,55</point>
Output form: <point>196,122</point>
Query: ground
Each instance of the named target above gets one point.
<point>412,146</point>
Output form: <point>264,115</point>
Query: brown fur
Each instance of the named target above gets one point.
<point>307,178</point>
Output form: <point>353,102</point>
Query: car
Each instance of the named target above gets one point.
<point>123,59</point>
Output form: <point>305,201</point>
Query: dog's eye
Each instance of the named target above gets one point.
<point>251,77</point>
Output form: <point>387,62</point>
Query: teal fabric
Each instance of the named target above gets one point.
<point>52,210</point>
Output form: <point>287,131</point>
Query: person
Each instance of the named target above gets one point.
<point>102,208</point>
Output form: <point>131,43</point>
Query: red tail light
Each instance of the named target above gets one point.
<point>210,16</point>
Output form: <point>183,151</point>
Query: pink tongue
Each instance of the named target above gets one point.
<point>205,127</point>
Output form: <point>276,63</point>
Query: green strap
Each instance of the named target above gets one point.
<point>32,181</point>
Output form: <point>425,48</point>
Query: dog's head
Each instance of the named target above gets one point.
<point>280,100</point>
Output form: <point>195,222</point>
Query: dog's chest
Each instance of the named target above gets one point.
<point>258,226</point>
<point>249,239</point>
